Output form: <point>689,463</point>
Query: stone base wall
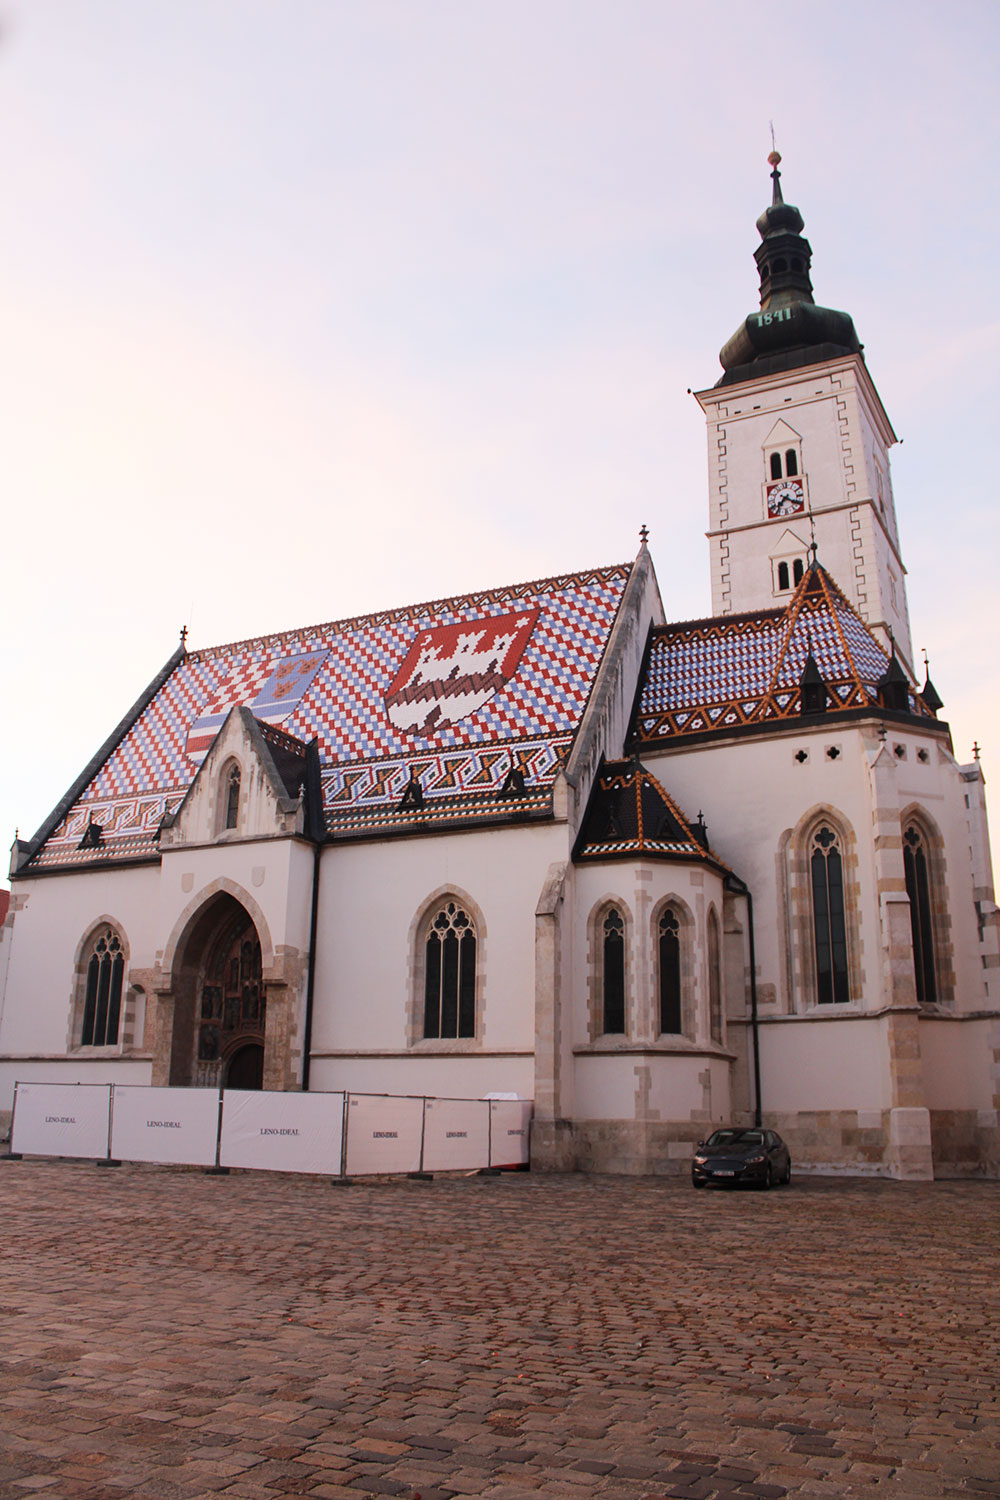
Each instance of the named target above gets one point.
<point>849,1142</point>
<point>627,1148</point>
<point>965,1142</point>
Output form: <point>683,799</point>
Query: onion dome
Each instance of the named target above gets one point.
<point>790,330</point>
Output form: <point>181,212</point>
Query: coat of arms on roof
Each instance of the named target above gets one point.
<point>270,689</point>
<point>451,671</point>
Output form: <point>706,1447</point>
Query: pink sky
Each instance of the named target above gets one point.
<point>313,307</point>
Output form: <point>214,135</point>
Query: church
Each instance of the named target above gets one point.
<point>654,875</point>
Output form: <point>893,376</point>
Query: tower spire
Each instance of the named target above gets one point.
<point>790,330</point>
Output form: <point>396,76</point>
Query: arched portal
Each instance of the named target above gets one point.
<point>220,1014</point>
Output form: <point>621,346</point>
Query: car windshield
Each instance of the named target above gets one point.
<point>736,1138</point>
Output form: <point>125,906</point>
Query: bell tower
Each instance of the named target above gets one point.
<point>798,448</point>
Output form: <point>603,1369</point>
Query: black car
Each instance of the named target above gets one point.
<point>742,1154</point>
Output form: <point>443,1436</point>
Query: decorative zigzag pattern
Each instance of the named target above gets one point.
<point>723,673</point>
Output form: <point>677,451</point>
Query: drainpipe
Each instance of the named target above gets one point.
<point>738,887</point>
<point>311,972</point>
<point>316,826</point>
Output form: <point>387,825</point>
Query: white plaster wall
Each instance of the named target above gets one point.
<point>638,888</point>
<point>938,789</point>
<point>275,875</point>
<point>844,434</point>
<point>957,1059</point>
<point>821,1065</point>
<point>754,791</point>
<point>55,913</point>
<point>608,1086</point>
<point>370,895</point>
<point>455,1077</point>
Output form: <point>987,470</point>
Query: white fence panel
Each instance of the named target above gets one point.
<point>179,1126</point>
<point>456,1134</point>
<point>383,1133</point>
<point>61,1119</point>
<point>278,1132</point>
<point>510,1126</point>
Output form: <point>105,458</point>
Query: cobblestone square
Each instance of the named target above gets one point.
<point>171,1334</point>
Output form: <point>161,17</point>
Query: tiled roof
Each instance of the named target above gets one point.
<point>455,690</point>
<point>734,670</point>
<point>629,815</point>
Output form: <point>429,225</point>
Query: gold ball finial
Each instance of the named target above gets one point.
<point>773,158</point>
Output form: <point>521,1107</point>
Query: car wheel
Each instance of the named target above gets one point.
<point>698,1182</point>
<point>768,1177</point>
<point>788,1175</point>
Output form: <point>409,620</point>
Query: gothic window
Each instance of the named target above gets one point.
<point>775,465</point>
<point>450,973</point>
<point>791,463</point>
<point>829,924</point>
<point>918,888</point>
<point>798,568</point>
<point>714,978</point>
<point>103,995</point>
<point>613,973</point>
<point>233,797</point>
<point>783,576</point>
<point>669,939</point>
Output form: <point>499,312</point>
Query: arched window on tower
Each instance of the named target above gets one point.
<point>775,465</point>
<point>791,463</point>
<point>613,973</point>
<point>669,941</point>
<point>783,576</point>
<point>450,973</point>
<point>798,568</point>
<point>918,888</point>
<point>829,924</point>
<point>103,996</point>
<point>233,797</point>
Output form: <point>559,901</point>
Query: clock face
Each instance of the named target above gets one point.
<point>785,498</point>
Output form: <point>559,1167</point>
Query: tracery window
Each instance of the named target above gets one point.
<point>669,944</point>
<point>613,972</point>
<point>918,887</point>
<point>103,995</point>
<point>829,924</point>
<point>450,973</point>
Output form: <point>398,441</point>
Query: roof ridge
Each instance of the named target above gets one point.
<point>402,611</point>
<point>743,618</point>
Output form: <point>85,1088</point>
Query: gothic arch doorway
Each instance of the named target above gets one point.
<point>221,1005</point>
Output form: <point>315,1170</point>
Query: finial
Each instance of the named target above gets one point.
<point>927,664</point>
<point>184,636</point>
<point>882,733</point>
<point>643,534</point>
<point>975,750</point>
<point>773,158</point>
<point>813,548</point>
